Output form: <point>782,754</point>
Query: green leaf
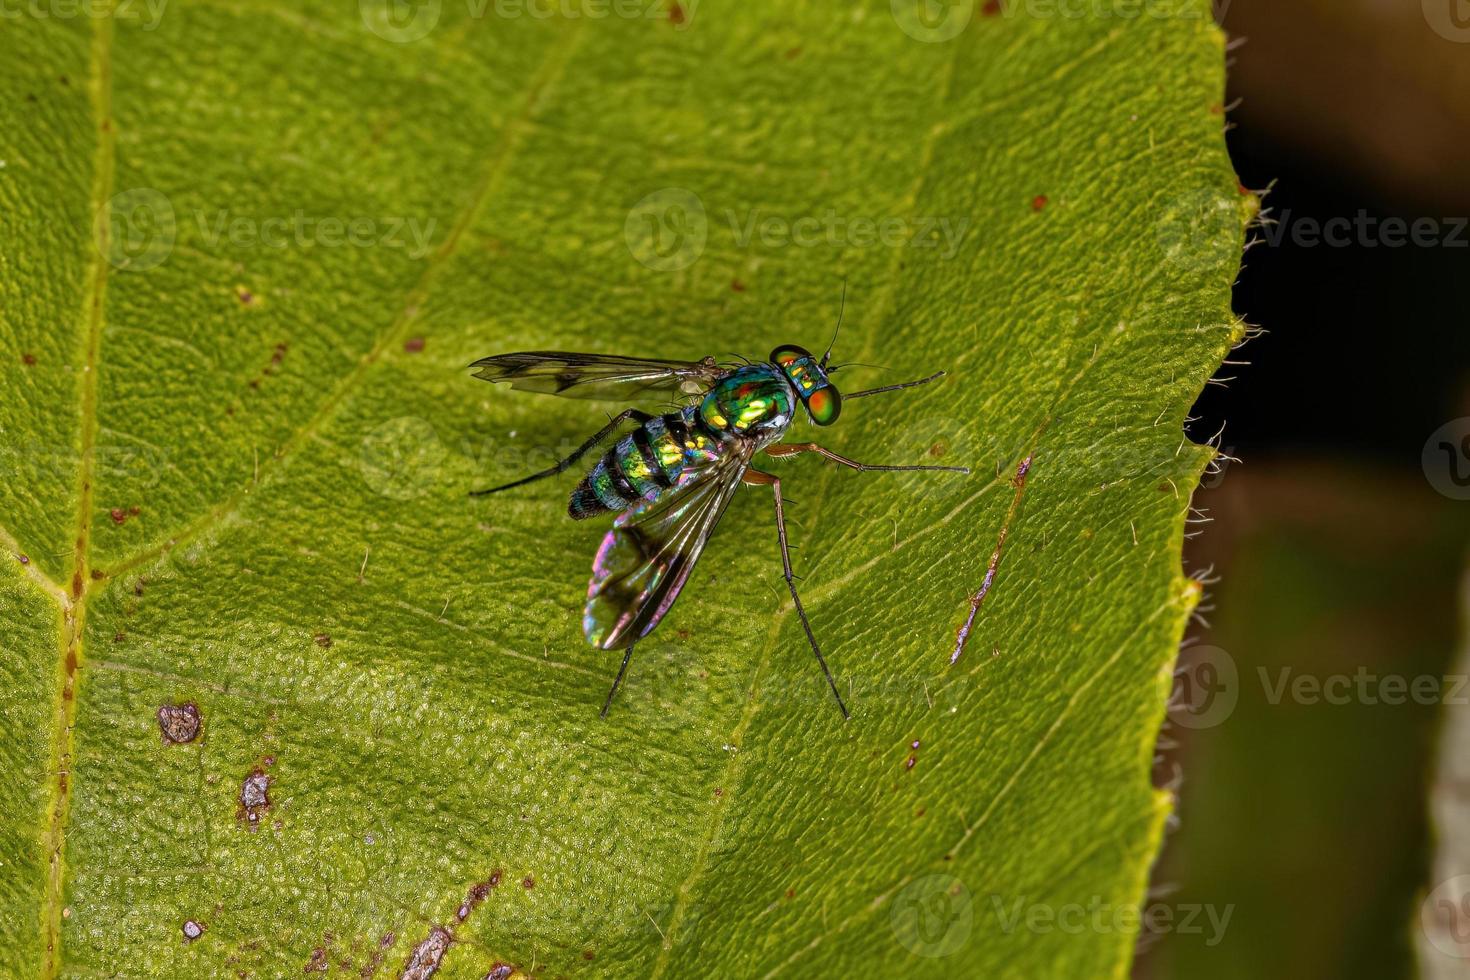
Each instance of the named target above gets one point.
<point>248,251</point>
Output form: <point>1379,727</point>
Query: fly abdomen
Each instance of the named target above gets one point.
<point>643,465</point>
<point>628,473</point>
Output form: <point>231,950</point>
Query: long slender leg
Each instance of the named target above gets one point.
<point>581,451</point>
<point>757,478</point>
<point>627,655</point>
<point>793,448</point>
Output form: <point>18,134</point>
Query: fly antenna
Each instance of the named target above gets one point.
<point>841,308</point>
<point>907,384</point>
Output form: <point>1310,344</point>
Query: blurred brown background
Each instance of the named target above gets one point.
<point>1302,817</point>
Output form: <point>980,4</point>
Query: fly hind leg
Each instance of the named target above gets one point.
<point>794,448</point>
<point>561,467</point>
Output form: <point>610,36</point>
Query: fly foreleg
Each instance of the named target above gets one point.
<point>757,478</point>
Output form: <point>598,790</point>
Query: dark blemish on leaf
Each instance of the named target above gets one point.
<point>76,584</point>
<point>28,359</point>
<point>192,930</point>
<point>413,345</point>
<point>98,575</point>
<point>179,723</point>
<point>914,744</point>
<point>323,640</point>
<point>119,637</point>
<point>676,13</point>
<point>30,96</point>
<point>500,971</point>
<point>254,797</point>
<point>737,285</point>
<point>424,961</point>
<point>1039,202</point>
<point>909,762</point>
<point>528,882</point>
<point>63,79</point>
<point>477,894</point>
<point>245,296</point>
<point>278,355</point>
<point>938,449</point>
<point>793,54</point>
<point>791,893</point>
<point>318,961</point>
<point>587,954</point>
<point>991,8</point>
<point>138,586</point>
<point>719,791</point>
<point>494,877</point>
<point>23,559</point>
<point>1217,109</point>
<point>919,812</point>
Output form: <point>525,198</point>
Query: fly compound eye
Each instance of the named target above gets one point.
<point>824,405</point>
<point>788,355</point>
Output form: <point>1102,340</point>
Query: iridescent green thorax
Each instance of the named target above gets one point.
<point>808,378</point>
<point>753,400</point>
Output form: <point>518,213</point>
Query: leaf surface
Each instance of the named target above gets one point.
<point>248,250</point>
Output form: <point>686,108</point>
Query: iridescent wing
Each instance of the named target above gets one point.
<point>605,376</point>
<point>646,558</point>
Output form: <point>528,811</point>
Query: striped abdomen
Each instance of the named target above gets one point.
<point>645,463</point>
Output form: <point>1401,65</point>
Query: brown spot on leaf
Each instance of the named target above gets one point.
<point>500,971</point>
<point>991,8</point>
<point>494,877</point>
<point>587,954</point>
<point>318,961</point>
<point>737,285</point>
<point>413,345</point>
<point>23,559</point>
<point>676,13</point>
<point>245,296</point>
<point>323,640</point>
<point>528,882</point>
<point>477,894</point>
<point>179,723</point>
<point>791,893</point>
<point>254,797</point>
<point>909,762</point>
<point>1039,202</point>
<point>423,962</point>
<point>192,930</point>
<point>28,359</point>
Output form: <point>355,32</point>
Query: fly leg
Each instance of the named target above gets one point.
<point>627,655</point>
<point>757,478</point>
<point>781,449</point>
<point>581,451</point>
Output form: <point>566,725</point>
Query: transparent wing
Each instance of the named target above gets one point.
<point>646,558</point>
<point>605,376</point>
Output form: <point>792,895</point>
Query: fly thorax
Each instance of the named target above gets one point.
<point>754,402</point>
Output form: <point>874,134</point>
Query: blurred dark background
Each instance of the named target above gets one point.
<point>1304,820</point>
